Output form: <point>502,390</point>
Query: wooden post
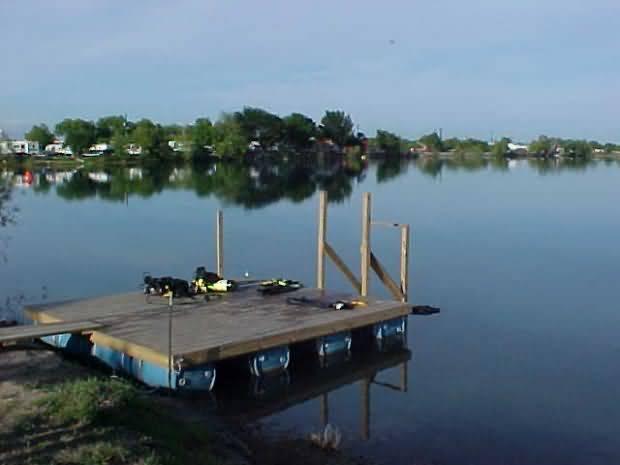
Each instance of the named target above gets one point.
<point>219,243</point>
<point>365,247</point>
<point>403,377</point>
<point>320,258</point>
<point>404,262</point>
<point>324,410</point>
<point>365,418</point>
<point>170,341</point>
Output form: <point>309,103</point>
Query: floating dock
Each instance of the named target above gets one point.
<point>180,346</point>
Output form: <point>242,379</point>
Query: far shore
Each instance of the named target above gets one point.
<point>76,162</point>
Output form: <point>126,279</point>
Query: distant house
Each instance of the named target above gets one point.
<point>254,146</point>
<point>100,148</point>
<point>134,149</point>
<point>176,146</point>
<point>24,147</point>
<point>419,147</point>
<point>516,147</point>
<point>57,147</point>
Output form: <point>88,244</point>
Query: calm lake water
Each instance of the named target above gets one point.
<point>520,367</point>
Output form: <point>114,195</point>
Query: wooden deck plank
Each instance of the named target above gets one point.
<point>20,333</point>
<point>238,323</point>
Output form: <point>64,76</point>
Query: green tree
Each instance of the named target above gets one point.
<point>472,146</point>
<point>230,139</point>
<point>337,126</point>
<point>500,148</point>
<point>388,142</point>
<point>541,146</point>
<point>151,138</point>
<point>432,141</point>
<point>79,134</point>
<point>577,149</point>
<point>451,144</point>
<point>176,132</point>
<point>110,125</point>
<point>261,125</point>
<point>202,136</point>
<point>119,142</point>
<point>299,130</point>
<point>41,134</point>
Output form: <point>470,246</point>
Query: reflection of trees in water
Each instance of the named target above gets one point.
<point>555,166</point>
<point>434,165</point>
<point>430,166</point>
<point>7,210</point>
<point>390,168</point>
<point>252,185</point>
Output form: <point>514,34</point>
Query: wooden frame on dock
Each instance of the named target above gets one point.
<point>368,259</point>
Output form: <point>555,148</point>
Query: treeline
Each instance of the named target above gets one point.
<point>233,134</point>
<point>542,146</point>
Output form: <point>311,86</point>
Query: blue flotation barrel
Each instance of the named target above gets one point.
<point>274,360</point>
<point>74,344</point>
<point>194,378</point>
<point>333,344</point>
<point>388,328</point>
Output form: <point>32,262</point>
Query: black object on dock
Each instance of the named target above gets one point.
<point>424,310</point>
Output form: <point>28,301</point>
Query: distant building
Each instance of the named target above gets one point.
<point>517,147</point>
<point>24,147</point>
<point>134,149</point>
<point>100,148</point>
<point>176,146</point>
<point>58,147</point>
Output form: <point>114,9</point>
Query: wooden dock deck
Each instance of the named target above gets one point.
<point>18,333</point>
<point>242,322</point>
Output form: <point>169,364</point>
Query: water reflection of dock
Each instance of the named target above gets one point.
<point>307,385</point>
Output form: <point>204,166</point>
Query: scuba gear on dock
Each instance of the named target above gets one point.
<point>166,286</point>
<point>203,279</point>
<point>424,310</point>
<point>278,286</point>
<point>323,303</point>
<point>206,281</point>
<point>223,285</point>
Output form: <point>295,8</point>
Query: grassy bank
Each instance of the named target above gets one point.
<point>54,411</point>
<point>98,421</point>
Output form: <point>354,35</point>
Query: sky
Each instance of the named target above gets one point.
<point>484,68</point>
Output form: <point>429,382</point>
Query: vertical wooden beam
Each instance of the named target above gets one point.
<point>403,376</point>
<point>219,242</point>
<point>324,410</point>
<point>170,340</point>
<point>365,418</point>
<point>404,262</point>
<point>322,232</point>
<point>365,246</point>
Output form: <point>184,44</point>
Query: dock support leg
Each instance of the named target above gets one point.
<point>365,418</point>
<point>170,367</point>
<point>404,262</point>
<point>403,377</point>
<point>324,410</point>
<point>219,243</point>
<point>365,247</point>
<point>320,258</point>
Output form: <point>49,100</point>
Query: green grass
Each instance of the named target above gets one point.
<point>100,421</point>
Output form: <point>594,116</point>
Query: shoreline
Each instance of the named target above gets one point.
<point>116,162</point>
<point>27,377</point>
